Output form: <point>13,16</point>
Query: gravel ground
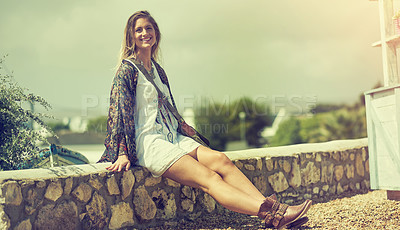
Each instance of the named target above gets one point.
<point>366,211</point>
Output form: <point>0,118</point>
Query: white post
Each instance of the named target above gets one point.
<point>242,116</point>
<point>389,57</point>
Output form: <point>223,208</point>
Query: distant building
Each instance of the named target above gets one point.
<point>270,131</point>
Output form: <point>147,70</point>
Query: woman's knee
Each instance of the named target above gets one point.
<point>221,163</point>
<point>222,158</point>
<point>214,160</point>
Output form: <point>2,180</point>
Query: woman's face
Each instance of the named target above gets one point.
<point>145,35</point>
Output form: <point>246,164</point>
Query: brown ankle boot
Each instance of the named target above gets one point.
<point>281,215</point>
<point>294,224</point>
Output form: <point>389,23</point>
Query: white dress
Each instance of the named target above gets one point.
<point>158,144</point>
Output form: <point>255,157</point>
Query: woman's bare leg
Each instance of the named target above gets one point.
<point>189,171</point>
<point>221,164</point>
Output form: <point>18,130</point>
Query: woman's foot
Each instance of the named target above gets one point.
<point>280,215</point>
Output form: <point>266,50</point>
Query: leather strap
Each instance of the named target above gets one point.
<point>279,214</point>
<point>164,99</point>
<point>271,214</point>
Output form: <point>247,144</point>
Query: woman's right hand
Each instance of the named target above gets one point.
<point>120,163</point>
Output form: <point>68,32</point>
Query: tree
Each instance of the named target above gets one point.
<point>347,122</point>
<point>211,120</point>
<point>258,116</point>
<point>220,122</point>
<point>288,133</point>
<point>311,131</point>
<point>18,141</point>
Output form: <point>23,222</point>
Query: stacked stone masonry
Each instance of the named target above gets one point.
<point>89,197</point>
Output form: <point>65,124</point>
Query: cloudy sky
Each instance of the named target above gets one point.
<point>66,51</point>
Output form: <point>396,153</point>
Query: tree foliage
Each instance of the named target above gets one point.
<point>17,140</point>
<point>288,133</point>
<point>58,126</point>
<point>347,122</point>
<point>220,122</point>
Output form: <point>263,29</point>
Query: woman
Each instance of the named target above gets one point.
<point>143,131</point>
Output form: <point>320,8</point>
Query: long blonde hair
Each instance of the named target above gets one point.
<point>128,49</point>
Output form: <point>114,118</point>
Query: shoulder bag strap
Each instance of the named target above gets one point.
<point>151,80</point>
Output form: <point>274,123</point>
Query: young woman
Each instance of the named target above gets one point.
<point>143,131</point>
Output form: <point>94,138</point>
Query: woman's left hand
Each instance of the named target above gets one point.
<point>121,162</point>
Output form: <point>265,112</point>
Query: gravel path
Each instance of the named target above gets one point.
<point>366,211</point>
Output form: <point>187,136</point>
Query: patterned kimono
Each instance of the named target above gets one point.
<point>120,137</point>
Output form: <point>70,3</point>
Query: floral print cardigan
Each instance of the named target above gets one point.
<point>120,139</point>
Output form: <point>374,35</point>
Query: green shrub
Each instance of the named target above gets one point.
<point>58,126</point>
<point>17,139</point>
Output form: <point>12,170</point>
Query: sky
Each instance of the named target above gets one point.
<point>221,50</point>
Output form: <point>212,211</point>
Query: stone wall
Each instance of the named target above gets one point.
<point>89,197</point>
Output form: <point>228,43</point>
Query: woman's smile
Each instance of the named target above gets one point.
<point>146,39</point>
